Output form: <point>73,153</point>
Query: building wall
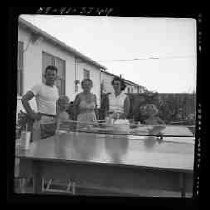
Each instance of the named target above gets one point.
<point>129,88</point>
<point>133,88</point>
<point>32,67</point>
<point>106,79</point>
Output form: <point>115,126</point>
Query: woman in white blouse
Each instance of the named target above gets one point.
<point>118,105</point>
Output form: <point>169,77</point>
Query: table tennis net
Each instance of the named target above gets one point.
<point>102,127</point>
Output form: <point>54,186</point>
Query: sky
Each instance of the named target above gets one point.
<point>158,53</point>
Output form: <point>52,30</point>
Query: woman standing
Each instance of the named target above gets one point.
<point>85,104</point>
<point>118,104</point>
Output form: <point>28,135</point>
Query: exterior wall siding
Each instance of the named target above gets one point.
<point>74,69</point>
<point>106,79</point>
<point>32,67</point>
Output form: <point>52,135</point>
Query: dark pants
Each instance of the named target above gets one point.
<point>47,129</point>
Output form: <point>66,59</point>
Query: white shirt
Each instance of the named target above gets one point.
<point>46,97</point>
<point>116,103</point>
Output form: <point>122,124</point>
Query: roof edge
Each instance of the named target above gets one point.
<point>40,32</point>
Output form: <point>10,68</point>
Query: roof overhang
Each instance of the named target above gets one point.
<point>38,32</point>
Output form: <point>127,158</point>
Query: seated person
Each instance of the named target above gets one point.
<point>62,114</point>
<point>150,111</point>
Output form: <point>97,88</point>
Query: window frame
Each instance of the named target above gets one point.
<point>84,73</point>
<point>62,78</point>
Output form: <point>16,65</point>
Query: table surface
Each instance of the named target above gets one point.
<point>177,130</point>
<point>172,153</point>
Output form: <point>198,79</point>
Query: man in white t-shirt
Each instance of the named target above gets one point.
<point>46,95</point>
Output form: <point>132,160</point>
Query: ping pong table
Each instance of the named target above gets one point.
<point>125,164</point>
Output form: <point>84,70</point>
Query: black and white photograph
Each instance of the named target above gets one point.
<point>106,106</point>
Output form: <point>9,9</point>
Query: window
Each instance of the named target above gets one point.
<point>48,59</point>
<point>128,90</point>
<point>86,74</point>
<point>20,69</point>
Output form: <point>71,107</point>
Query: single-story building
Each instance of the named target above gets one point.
<point>38,49</point>
<point>132,87</point>
<point>106,79</point>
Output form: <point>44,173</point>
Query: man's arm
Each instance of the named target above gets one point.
<point>25,101</point>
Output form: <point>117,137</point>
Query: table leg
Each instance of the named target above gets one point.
<point>22,186</point>
<point>182,184</point>
<point>37,179</point>
<point>73,188</point>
